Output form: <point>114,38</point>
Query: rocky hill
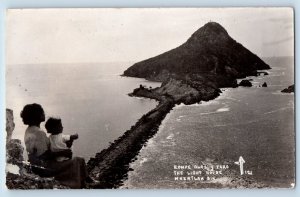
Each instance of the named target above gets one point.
<point>210,51</point>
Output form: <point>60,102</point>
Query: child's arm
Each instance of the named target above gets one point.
<point>72,138</point>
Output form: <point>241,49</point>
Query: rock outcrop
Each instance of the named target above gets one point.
<point>245,83</point>
<point>289,89</point>
<point>264,85</point>
<point>180,91</point>
<point>14,149</point>
<point>10,125</point>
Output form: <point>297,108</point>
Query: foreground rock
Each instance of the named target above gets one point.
<point>31,181</point>
<point>18,173</point>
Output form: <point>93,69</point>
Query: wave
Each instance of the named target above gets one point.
<point>278,92</point>
<point>178,120</point>
<point>143,160</point>
<point>277,110</point>
<point>207,113</point>
<point>224,109</point>
<point>168,143</point>
<point>170,137</point>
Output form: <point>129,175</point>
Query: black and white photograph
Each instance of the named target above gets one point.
<point>150,98</point>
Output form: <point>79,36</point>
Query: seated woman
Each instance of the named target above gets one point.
<point>71,172</point>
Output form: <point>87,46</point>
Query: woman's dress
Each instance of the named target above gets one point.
<point>71,173</point>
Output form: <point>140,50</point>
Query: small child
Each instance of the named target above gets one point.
<point>59,141</point>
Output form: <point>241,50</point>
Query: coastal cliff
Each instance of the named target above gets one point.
<point>191,73</point>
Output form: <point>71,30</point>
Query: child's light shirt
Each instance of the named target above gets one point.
<point>58,143</point>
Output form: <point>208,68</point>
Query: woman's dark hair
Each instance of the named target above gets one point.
<point>32,114</point>
<point>54,126</point>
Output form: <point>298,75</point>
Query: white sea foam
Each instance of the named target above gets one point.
<point>278,85</point>
<point>278,92</point>
<point>234,99</point>
<point>168,143</point>
<point>205,103</point>
<point>277,110</point>
<point>223,109</point>
<point>207,113</point>
<point>180,105</point>
<point>143,160</point>
<point>170,136</point>
<point>169,140</point>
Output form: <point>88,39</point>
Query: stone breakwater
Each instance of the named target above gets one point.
<point>111,165</point>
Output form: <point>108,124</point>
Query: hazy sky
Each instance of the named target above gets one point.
<point>108,35</point>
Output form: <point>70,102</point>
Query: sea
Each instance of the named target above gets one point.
<point>255,124</point>
<point>90,98</point>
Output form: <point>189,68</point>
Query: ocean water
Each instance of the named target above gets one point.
<point>91,100</point>
<point>256,123</point>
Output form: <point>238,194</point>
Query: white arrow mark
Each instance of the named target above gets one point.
<point>241,162</point>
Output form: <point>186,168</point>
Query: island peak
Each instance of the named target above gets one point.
<point>210,29</point>
<point>209,51</point>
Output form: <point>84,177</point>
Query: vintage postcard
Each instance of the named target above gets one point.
<point>150,98</point>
